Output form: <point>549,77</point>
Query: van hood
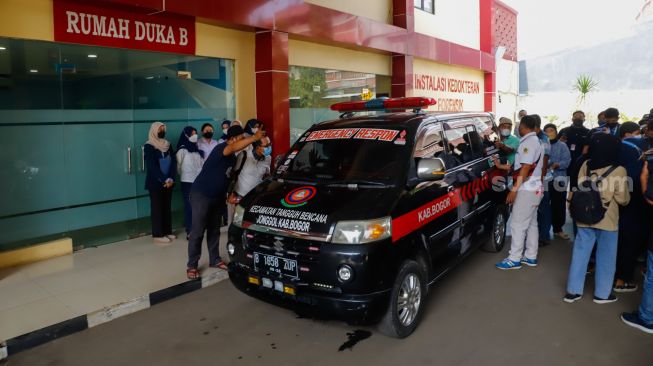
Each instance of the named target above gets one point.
<point>314,209</point>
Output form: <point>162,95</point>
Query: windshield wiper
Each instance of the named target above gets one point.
<point>357,183</point>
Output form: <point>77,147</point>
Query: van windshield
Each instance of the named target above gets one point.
<point>346,159</point>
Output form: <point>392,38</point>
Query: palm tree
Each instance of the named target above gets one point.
<point>584,84</point>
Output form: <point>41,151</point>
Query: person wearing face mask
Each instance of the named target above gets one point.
<point>544,210</point>
<point>610,122</point>
<point>522,113</point>
<point>255,168</point>
<point>632,217</point>
<point>207,198</point>
<point>508,144</point>
<point>559,160</point>
<point>206,143</point>
<point>576,137</point>
<point>225,127</point>
<point>252,126</point>
<point>189,164</point>
<point>160,168</point>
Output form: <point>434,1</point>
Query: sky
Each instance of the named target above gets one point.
<point>550,26</point>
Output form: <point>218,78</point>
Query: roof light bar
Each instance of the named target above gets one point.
<point>384,103</point>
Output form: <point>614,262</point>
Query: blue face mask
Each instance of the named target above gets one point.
<point>267,151</point>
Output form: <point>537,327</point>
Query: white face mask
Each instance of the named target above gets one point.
<point>255,130</point>
<point>193,139</point>
<point>224,131</point>
<point>505,133</point>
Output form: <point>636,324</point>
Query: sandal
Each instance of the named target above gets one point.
<point>192,273</point>
<point>563,235</point>
<point>221,265</point>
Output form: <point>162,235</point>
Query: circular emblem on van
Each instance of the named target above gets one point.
<point>299,196</point>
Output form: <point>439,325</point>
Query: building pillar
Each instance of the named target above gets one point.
<point>272,104</point>
<point>403,15</point>
<point>402,76</point>
<point>487,9</point>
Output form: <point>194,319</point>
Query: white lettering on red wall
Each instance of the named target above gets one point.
<point>447,85</point>
<point>113,27</point>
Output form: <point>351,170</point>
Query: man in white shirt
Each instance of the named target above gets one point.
<point>255,168</point>
<point>525,196</point>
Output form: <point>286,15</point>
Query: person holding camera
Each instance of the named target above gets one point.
<point>208,195</point>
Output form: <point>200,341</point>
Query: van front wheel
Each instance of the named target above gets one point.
<point>406,301</point>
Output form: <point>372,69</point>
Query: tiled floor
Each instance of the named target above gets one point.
<point>44,293</point>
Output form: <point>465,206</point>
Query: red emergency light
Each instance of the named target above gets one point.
<point>384,103</point>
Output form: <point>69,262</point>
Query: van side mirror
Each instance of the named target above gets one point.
<point>431,169</point>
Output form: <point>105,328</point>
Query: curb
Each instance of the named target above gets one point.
<point>67,327</point>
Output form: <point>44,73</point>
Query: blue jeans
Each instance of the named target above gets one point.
<point>544,218</point>
<point>646,307</point>
<point>606,261</point>
<point>188,211</point>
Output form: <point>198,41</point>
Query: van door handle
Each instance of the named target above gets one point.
<point>142,158</point>
<point>129,160</point>
<point>450,188</point>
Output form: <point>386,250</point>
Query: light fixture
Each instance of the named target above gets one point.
<point>92,56</point>
<point>33,71</point>
<point>149,77</point>
<point>2,48</point>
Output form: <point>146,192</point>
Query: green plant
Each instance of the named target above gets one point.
<point>551,119</point>
<point>584,84</point>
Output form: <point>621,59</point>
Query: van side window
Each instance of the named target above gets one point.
<point>429,144</point>
<point>465,143</point>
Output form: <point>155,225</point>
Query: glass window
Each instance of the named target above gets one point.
<point>73,119</point>
<point>426,5</point>
<point>465,143</point>
<point>430,143</point>
<point>313,91</point>
<point>347,159</point>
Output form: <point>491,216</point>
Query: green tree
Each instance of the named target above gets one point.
<point>309,84</point>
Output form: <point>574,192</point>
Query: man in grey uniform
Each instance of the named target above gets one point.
<point>525,196</point>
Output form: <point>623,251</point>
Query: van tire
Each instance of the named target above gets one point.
<point>411,284</point>
<point>498,227</point>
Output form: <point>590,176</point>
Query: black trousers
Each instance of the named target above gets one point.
<point>633,237</point>
<point>558,207</point>
<point>160,211</point>
<point>207,213</point>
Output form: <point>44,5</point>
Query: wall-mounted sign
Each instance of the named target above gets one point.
<point>456,89</point>
<point>113,27</point>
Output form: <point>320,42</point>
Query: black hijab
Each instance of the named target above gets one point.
<point>603,151</point>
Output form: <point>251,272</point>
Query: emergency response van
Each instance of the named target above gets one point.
<point>365,212</point>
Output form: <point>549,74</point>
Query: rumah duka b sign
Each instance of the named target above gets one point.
<point>114,27</point>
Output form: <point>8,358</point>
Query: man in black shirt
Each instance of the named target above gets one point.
<point>576,137</point>
<point>208,196</point>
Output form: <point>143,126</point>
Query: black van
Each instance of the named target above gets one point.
<point>364,213</point>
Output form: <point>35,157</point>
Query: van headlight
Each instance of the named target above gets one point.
<point>239,212</point>
<point>361,232</point>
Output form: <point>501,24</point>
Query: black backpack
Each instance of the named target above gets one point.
<point>586,206</point>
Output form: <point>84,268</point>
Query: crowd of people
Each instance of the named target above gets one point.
<point>601,177</point>
<point>213,173</point>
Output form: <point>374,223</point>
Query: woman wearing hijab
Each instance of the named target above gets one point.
<point>160,170</point>
<point>559,160</point>
<point>189,165</point>
<point>603,155</point>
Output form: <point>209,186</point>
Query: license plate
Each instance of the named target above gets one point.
<point>275,264</point>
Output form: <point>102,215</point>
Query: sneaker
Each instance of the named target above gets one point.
<point>571,298</point>
<point>161,240</point>
<point>171,237</point>
<point>508,264</point>
<point>529,262</point>
<point>626,287</point>
<point>610,299</point>
<point>634,321</point>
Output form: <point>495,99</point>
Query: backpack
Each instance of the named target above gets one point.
<point>586,206</point>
